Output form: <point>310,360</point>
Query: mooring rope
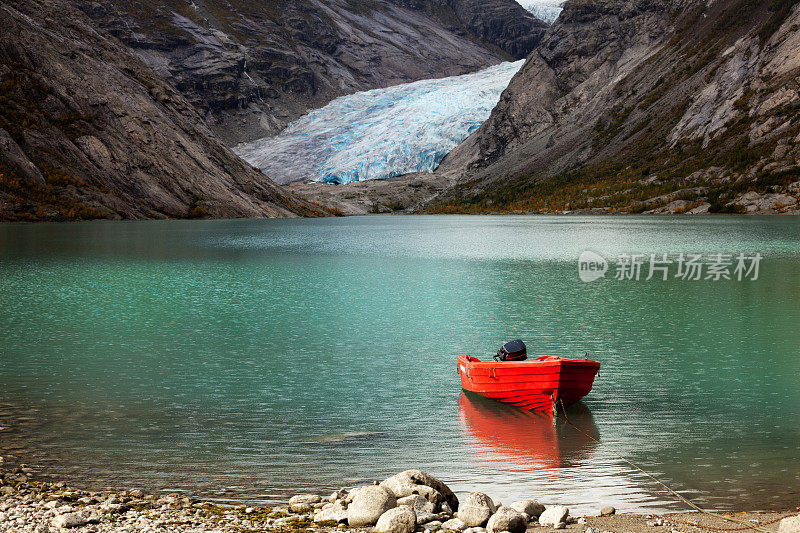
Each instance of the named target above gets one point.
<point>733,528</point>
<point>665,487</point>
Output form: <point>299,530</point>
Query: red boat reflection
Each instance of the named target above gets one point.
<point>528,440</point>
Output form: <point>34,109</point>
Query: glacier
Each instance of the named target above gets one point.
<point>381,133</point>
<point>546,10</point>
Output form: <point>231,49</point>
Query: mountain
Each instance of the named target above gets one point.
<point>87,130</point>
<point>251,67</point>
<point>644,106</point>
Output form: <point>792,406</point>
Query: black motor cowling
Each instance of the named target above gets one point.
<point>512,351</point>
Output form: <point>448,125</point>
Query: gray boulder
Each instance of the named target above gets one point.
<point>476,509</point>
<point>69,520</point>
<point>340,494</point>
<point>554,515</point>
<point>424,517</point>
<point>790,525</point>
<point>531,508</point>
<point>333,511</point>
<point>607,511</point>
<point>398,520</point>
<point>309,499</point>
<point>507,519</point>
<point>368,504</point>
<point>455,524</point>
<point>418,482</point>
<point>418,503</point>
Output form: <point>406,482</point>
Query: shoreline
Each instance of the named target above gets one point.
<point>28,504</point>
<point>23,461</point>
<point>344,215</point>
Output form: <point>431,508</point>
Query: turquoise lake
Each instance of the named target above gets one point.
<point>248,360</point>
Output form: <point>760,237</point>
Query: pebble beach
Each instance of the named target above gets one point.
<point>408,502</point>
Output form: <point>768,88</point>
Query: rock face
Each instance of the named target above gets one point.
<point>87,130</point>
<point>476,509</point>
<point>398,520</point>
<point>252,67</point>
<point>500,23</point>
<point>659,95</point>
<point>507,519</point>
<point>368,504</point>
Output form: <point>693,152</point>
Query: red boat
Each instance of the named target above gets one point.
<point>539,384</point>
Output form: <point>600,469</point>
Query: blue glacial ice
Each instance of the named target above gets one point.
<point>546,10</point>
<point>381,133</point>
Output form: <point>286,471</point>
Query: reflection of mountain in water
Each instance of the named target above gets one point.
<point>526,439</point>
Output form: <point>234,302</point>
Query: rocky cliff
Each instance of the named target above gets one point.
<point>87,130</point>
<point>251,67</point>
<point>645,105</point>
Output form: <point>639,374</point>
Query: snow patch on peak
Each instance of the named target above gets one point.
<point>381,133</point>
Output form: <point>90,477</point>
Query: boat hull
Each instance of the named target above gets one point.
<point>537,384</point>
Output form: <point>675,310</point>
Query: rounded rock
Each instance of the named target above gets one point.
<point>398,520</point>
<point>607,511</point>
<point>68,520</point>
<point>309,499</point>
<point>300,508</point>
<point>332,511</point>
<point>418,503</point>
<point>411,482</point>
<point>368,504</point>
<point>554,515</point>
<point>454,524</point>
<point>476,509</point>
<point>507,519</point>
<point>424,517</point>
<point>790,524</point>
<point>532,508</point>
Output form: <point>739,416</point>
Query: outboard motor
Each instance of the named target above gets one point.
<point>512,351</point>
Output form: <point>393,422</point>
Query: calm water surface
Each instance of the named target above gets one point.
<point>255,359</point>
